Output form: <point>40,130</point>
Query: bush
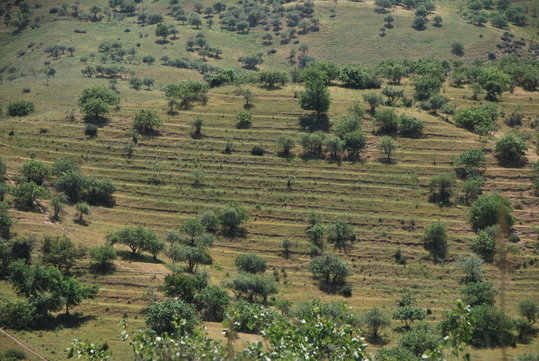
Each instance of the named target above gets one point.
<point>470,163</point>
<point>146,121</point>
<point>374,321</point>
<point>529,310</point>
<point>480,120</point>
<point>20,108</point>
<point>387,120</point>
<point>484,244</point>
<point>184,286</point>
<point>102,258</point>
<point>410,126</point>
<point>244,120</point>
<point>510,149</point>
<point>441,188</point>
<point>171,316</point>
<point>435,240</point>
<point>479,293</point>
<point>35,171</point>
<point>285,143</point>
<point>212,302</point>
<point>420,340</point>
<point>487,210</point>
<point>17,315</point>
<point>329,268</point>
<point>250,263</point>
<point>15,354</point>
<point>492,327</point>
<point>258,150</point>
<point>250,317</point>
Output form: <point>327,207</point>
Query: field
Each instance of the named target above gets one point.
<point>386,203</point>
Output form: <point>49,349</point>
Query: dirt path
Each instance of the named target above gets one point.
<point>22,344</point>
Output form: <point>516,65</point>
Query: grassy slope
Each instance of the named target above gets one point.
<point>379,199</point>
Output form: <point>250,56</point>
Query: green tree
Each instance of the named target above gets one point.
<point>82,209</point>
<point>419,340</point>
<point>26,194</point>
<point>285,143</point>
<point>272,78</point>
<point>5,222</point>
<point>510,149</point>
<point>245,119</point>
<point>480,119</point>
<point>329,268</point>
<point>61,252</point>
<point>388,146</point>
<point>192,256</point>
<point>35,171</point>
<point>408,315</point>
<point>172,317</point>
<point>232,216</point>
<point>387,120</point>
<point>489,210</point>
<point>478,293</point>
<point>146,121</point>
<point>102,258</point>
<point>212,302</point>
<point>457,48</point>
<point>470,163</point>
<point>435,240</point>
<point>410,126</point>
<point>492,327</point>
<point>57,203</point>
<point>484,244</point>
<point>252,286</point>
<point>341,235</point>
<point>494,81</point>
<point>427,86</point>
<point>17,315</point>
<point>374,100</point>
<point>64,165</point>
<point>137,238</point>
<point>529,310</point>
<point>392,94</point>
<point>162,30</point>
<point>374,321</point>
<point>315,97</point>
<point>315,234</point>
<point>96,101</point>
<point>184,286</point>
<point>184,93</point>
<point>73,292</point>
<point>250,263</point>
<point>441,188</point>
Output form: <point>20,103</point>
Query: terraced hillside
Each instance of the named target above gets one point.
<point>386,203</point>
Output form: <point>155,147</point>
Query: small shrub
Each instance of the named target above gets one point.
<point>20,108</point>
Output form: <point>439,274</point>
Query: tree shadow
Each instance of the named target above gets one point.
<point>385,161</point>
<point>96,120</point>
<point>234,233</point>
<point>288,156</point>
<point>131,257</point>
<point>248,106</point>
<point>74,320</point>
<point>378,340</point>
<point>512,163</point>
<point>81,222</point>
<point>331,288</point>
<point>162,42</point>
<point>314,122</point>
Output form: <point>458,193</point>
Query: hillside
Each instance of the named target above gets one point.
<point>171,175</point>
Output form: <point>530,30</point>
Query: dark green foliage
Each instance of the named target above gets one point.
<point>146,121</point>
<point>479,293</point>
<point>441,188</point>
<point>209,221</point>
<point>470,163</point>
<point>492,327</point>
<point>26,194</point>
<point>65,165</point>
<point>341,235</point>
<point>250,317</point>
<point>20,108</point>
<point>252,286</point>
<point>457,48</point>
<point>185,93</point>
<point>61,253</point>
<point>529,310</point>
<point>137,238</point>
<point>96,101</point>
<point>5,222</point>
<point>374,100</point>
<point>396,353</point>
<point>212,302</point>
<point>171,316</point>
<point>35,171</point>
<point>426,87</point>
<point>17,315</point>
<point>102,258</point>
<point>78,187</point>
<point>184,286</point>
<point>353,76</point>
<point>329,268</point>
<point>435,240</point>
<point>420,340</point>
<point>286,143</point>
<point>374,321</point>
<point>410,126</point>
<point>245,119</point>
<point>387,121</point>
<point>408,315</point>
<point>315,97</point>
<point>232,217</point>
<point>510,149</point>
<point>489,210</point>
<point>484,244</point>
<point>250,263</point>
<point>273,78</point>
